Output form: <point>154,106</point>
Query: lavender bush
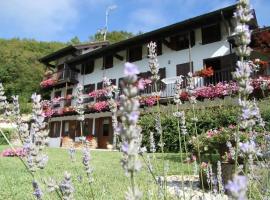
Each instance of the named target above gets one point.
<point>247,155</point>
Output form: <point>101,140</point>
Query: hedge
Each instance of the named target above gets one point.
<point>208,118</point>
<point>10,134</point>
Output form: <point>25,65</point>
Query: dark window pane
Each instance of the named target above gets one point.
<point>135,53</point>
<point>88,67</point>
<point>211,34</point>
<point>106,127</point>
<point>57,94</point>
<point>180,42</point>
<point>89,88</point>
<point>107,62</point>
<point>183,69</point>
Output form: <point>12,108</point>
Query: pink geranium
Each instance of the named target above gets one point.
<point>47,83</point>
<point>100,106</point>
<point>11,153</point>
<point>98,93</point>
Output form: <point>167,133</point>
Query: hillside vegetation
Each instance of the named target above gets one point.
<point>20,70</point>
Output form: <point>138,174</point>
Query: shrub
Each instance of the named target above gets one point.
<point>208,118</point>
<point>10,133</point>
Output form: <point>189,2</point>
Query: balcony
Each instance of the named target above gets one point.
<point>59,79</point>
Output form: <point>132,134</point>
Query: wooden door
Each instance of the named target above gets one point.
<point>104,131</point>
<point>72,129</point>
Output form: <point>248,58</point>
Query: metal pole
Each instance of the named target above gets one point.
<point>61,129</point>
<point>189,52</point>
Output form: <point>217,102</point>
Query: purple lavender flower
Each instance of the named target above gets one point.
<point>248,147</point>
<point>124,147</point>
<point>37,191</point>
<point>133,117</point>
<point>130,69</point>
<point>238,187</point>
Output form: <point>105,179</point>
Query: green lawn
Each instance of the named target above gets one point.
<point>110,181</point>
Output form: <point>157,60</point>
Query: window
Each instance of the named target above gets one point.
<point>88,67</point>
<point>107,62</point>
<point>57,94</point>
<point>89,88</point>
<point>65,128</point>
<point>184,69</point>
<point>54,129</point>
<point>180,42</point>
<point>99,85</point>
<point>106,127</point>
<point>135,53</point>
<point>159,47</point>
<point>211,33</point>
<point>68,97</point>
<point>215,63</point>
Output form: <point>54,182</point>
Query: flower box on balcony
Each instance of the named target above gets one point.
<point>206,72</point>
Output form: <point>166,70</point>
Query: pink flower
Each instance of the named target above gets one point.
<point>101,106</point>
<point>98,93</point>
<point>11,153</point>
<point>211,133</point>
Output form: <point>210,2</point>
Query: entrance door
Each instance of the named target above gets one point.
<point>104,129</point>
<point>72,129</point>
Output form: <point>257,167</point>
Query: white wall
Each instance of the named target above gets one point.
<point>169,59</point>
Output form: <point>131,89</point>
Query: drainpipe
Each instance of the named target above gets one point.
<point>61,129</point>
<point>189,52</point>
<point>93,126</point>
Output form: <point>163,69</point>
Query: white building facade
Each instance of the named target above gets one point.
<point>182,47</point>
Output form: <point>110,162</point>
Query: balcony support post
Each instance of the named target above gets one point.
<point>61,129</point>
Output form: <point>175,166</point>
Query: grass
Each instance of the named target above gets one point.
<point>110,181</point>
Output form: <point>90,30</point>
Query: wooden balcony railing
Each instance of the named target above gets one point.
<point>59,78</point>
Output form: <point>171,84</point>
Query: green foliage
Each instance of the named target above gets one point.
<point>112,37</point>
<point>75,40</point>
<point>20,70</point>
<point>110,180</point>
<point>9,133</point>
<point>208,118</point>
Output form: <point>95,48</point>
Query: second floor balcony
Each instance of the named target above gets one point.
<point>59,79</point>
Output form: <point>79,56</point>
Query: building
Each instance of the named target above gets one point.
<point>186,46</point>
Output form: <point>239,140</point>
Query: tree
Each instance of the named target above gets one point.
<point>20,70</point>
<point>112,37</point>
<point>75,40</point>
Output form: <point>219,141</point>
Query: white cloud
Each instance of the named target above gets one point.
<point>38,18</point>
<point>145,20</point>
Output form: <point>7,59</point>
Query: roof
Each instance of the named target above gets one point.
<point>70,49</point>
<point>184,26</point>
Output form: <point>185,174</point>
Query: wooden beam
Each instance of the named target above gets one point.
<point>50,65</point>
<point>167,44</point>
<point>118,57</point>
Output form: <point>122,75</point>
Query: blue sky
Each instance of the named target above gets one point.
<point>60,20</point>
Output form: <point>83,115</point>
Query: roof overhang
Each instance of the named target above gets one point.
<point>174,29</point>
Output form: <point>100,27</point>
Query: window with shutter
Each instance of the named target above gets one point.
<point>184,69</point>
<point>211,33</point>
<point>180,42</point>
<point>68,99</point>
<point>107,62</point>
<point>87,67</point>
<point>87,89</point>
<point>135,53</point>
<point>57,94</point>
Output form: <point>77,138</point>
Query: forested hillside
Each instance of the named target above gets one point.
<point>20,70</point>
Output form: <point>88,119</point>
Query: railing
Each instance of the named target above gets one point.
<point>224,75</point>
<point>66,75</point>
